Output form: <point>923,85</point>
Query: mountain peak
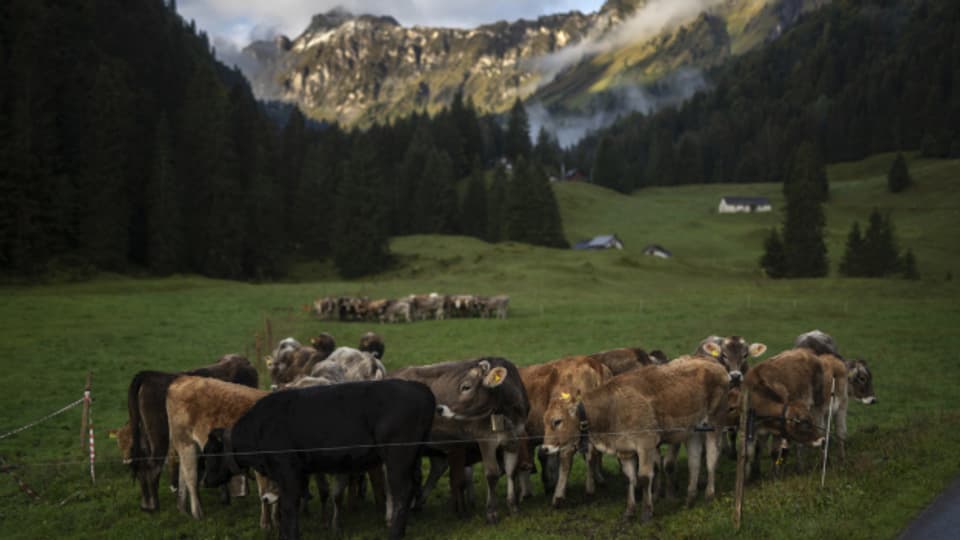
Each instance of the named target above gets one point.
<point>336,17</point>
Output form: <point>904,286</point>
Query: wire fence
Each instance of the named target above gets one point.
<point>62,410</point>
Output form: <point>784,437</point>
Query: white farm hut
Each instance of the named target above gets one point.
<point>733,205</point>
<point>607,241</point>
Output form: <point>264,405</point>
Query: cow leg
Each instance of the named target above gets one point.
<point>377,485</point>
<point>510,460</point>
<point>525,466</point>
<point>438,466</point>
<point>491,469</point>
<point>389,496</point>
<point>290,494</point>
<point>669,470</point>
<point>596,457</point>
<point>694,456</point>
<point>188,481</point>
<point>560,492</point>
<point>266,492</point>
<point>646,457</point>
<point>398,472</point>
<point>629,467</point>
<point>339,486</point>
<point>548,470</point>
<point>841,432</point>
<point>713,454</point>
<point>456,459</point>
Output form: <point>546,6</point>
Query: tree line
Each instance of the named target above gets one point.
<point>853,78</point>
<point>126,147</point>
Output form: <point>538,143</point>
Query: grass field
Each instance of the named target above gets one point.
<point>901,452</point>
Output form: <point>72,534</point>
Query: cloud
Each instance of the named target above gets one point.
<point>648,21</point>
<point>237,20</point>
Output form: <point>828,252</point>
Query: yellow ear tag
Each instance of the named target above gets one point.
<point>497,377</point>
<point>565,396</point>
<point>715,353</point>
<point>112,435</point>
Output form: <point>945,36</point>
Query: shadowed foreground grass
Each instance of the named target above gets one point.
<point>901,452</point>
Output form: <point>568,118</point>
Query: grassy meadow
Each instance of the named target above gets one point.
<point>901,452</point>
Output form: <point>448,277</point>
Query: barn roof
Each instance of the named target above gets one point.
<point>746,200</point>
<point>598,242</point>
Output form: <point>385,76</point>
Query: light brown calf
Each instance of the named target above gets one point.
<point>575,374</point>
<point>624,359</point>
<point>195,406</point>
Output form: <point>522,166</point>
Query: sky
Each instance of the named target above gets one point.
<point>241,21</point>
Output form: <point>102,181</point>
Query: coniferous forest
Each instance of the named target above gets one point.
<point>126,147</point>
<point>855,78</point>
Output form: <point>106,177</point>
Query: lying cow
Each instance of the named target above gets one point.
<point>383,422</point>
<point>631,414</point>
<point>577,374</point>
<point>145,440</point>
<point>859,376</point>
<point>480,400</point>
<point>790,394</point>
<point>195,406</point>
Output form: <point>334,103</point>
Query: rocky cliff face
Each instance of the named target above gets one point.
<point>359,69</point>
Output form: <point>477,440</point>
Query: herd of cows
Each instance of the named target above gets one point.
<point>415,307</point>
<point>337,411</point>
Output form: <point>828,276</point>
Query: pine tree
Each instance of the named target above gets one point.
<point>517,139</point>
<point>806,252</point>
<point>909,266</point>
<point>807,163</point>
<point>774,260</point>
<point>163,220</point>
<point>474,212</point>
<point>898,178</point>
<point>609,168</point>
<point>497,205</point>
<point>547,151</point>
<point>852,262</point>
<point>359,247</point>
<point>409,184</point>
<point>435,210</point>
<point>880,253</point>
<point>533,216</point>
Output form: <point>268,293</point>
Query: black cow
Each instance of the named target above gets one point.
<point>375,422</point>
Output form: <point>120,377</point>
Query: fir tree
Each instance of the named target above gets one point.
<point>164,224</point>
<point>359,247</point>
<point>609,168</point>
<point>547,151</point>
<point>497,205</point>
<point>474,212</point>
<point>898,178</point>
<point>852,262</point>
<point>806,252</point>
<point>774,260</point>
<point>517,141</point>
<point>880,253</point>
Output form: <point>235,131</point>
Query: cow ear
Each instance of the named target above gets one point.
<point>496,377</point>
<point>757,349</point>
<point>712,349</point>
<point>484,366</point>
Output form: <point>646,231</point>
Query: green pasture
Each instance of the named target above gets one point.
<point>901,452</point>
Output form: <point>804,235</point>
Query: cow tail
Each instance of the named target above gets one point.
<point>137,456</point>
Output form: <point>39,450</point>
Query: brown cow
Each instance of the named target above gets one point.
<point>195,406</point>
<point>731,352</point>
<point>577,374</point>
<point>859,376</point>
<point>291,360</point>
<point>625,359</point>
<point>632,413</point>
<point>480,400</point>
<point>373,344</point>
<point>790,394</point>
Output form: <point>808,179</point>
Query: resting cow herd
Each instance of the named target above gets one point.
<point>218,426</point>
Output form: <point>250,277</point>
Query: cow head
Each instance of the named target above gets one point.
<point>860,381</point>
<point>373,344</point>
<point>216,470</point>
<point>732,352</point>
<point>124,437</point>
<point>471,391</point>
<point>795,422</point>
<point>324,344</point>
<point>561,426</point>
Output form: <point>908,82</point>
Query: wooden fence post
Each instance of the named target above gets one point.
<point>269,328</point>
<point>84,435</point>
<point>741,460</point>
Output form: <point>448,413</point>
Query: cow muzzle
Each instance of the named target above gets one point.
<point>818,443</point>
<point>869,400</point>
<point>445,412</point>
<point>736,376</point>
<point>269,498</point>
<point>551,449</point>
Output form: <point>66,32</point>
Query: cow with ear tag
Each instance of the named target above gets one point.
<point>481,400</point>
<point>732,352</point>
